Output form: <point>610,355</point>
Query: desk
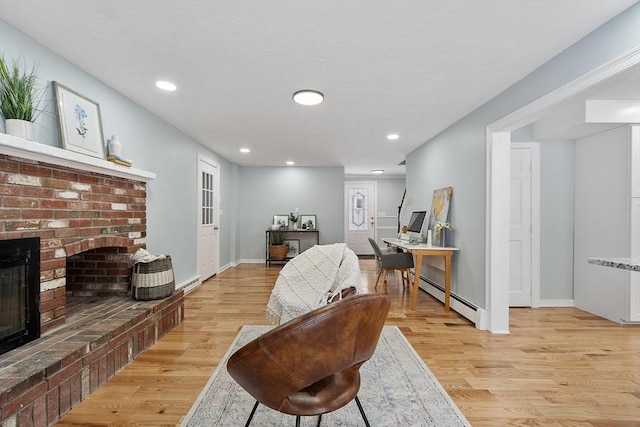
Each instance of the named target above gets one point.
<point>422,249</point>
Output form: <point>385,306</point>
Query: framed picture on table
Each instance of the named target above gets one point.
<point>282,220</point>
<point>308,222</point>
<point>294,247</point>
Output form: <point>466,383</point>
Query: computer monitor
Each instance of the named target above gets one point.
<point>414,230</point>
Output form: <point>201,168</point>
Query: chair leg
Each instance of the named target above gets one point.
<point>364,417</point>
<point>298,420</point>
<point>253,411</point>
<point>408,273</point>
<point>378,279</point>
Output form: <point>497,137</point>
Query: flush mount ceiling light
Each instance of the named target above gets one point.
<point>377,171</point>
<point>245,150</point>
<point>393,136</point>
<point>291,163</point>
<point>308,97</point>
<point>164,85</point>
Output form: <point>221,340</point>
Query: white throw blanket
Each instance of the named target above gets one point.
<point>142,255</point>
<point>312,279</point>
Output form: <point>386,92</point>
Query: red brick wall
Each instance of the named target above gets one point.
<point>72,211</point>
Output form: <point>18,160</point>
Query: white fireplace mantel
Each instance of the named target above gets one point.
<point>30,150</point>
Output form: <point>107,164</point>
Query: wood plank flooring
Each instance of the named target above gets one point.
<point>558,367</point>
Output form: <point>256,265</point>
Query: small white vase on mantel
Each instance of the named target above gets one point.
<point>115,146</point>
<point>20,128</point>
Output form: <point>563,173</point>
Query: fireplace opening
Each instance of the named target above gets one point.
<point>19,292</point>
<point>100,272</point>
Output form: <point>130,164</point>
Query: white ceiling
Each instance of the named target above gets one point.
<point>408,67</point>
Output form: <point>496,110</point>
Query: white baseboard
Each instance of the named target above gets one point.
<point>228,266</point>
<point>252,261</point>
<point>482,319</point>
<point>190,284</point>
<point>556,303</point>
<point>467,312</point>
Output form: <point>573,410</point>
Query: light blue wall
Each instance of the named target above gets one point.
<point>266,191</point>
<point>151,143</point>
<point>456,157</point>
<point>556,219</point>
<point>390,192</point>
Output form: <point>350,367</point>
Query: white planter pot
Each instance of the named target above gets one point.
<point>20,128</point>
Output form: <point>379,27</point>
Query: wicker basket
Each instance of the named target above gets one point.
<point>278,252</point>
<point>153,280</point>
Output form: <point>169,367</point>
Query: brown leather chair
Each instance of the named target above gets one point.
<point>310,365</point>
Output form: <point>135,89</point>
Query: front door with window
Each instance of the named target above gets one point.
<point>360,205</point>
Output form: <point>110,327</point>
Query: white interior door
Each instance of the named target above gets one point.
<point>209,217</point>
<point>360,215</point>
<point>520,229</point>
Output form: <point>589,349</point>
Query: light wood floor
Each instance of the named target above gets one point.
<point>558,367</point>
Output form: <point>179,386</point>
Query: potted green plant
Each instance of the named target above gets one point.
<point>19,98</point>
<point>277,248</point>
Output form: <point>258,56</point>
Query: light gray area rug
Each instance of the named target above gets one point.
<point>397,389</point>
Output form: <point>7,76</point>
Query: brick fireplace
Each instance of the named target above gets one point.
<point>88,224</point>
<point>89,216</point>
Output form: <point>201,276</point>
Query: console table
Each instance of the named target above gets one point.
<point>306,239</point>
<point>420,250</point>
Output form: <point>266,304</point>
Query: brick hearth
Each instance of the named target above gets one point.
<point>42,380</point>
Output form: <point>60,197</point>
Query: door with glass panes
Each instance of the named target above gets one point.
<point>209,217</point>
<point>360,215</point>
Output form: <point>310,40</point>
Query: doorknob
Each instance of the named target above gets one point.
<point>215,227</point>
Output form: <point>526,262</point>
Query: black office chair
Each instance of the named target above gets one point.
<point>392,260</point>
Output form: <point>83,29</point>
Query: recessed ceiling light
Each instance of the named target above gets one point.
<point>245,150</point>
<point>377,171</point>
<point>308,97</point>
<point>166,85</point>
<point>291,163</point>
<point>393,136</point>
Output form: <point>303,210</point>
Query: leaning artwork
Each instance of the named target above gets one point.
<point>440,206</point>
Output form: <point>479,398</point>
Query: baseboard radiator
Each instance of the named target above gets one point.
<point>466,308</point>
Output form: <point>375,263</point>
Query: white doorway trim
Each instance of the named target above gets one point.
<point>498,136</point>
